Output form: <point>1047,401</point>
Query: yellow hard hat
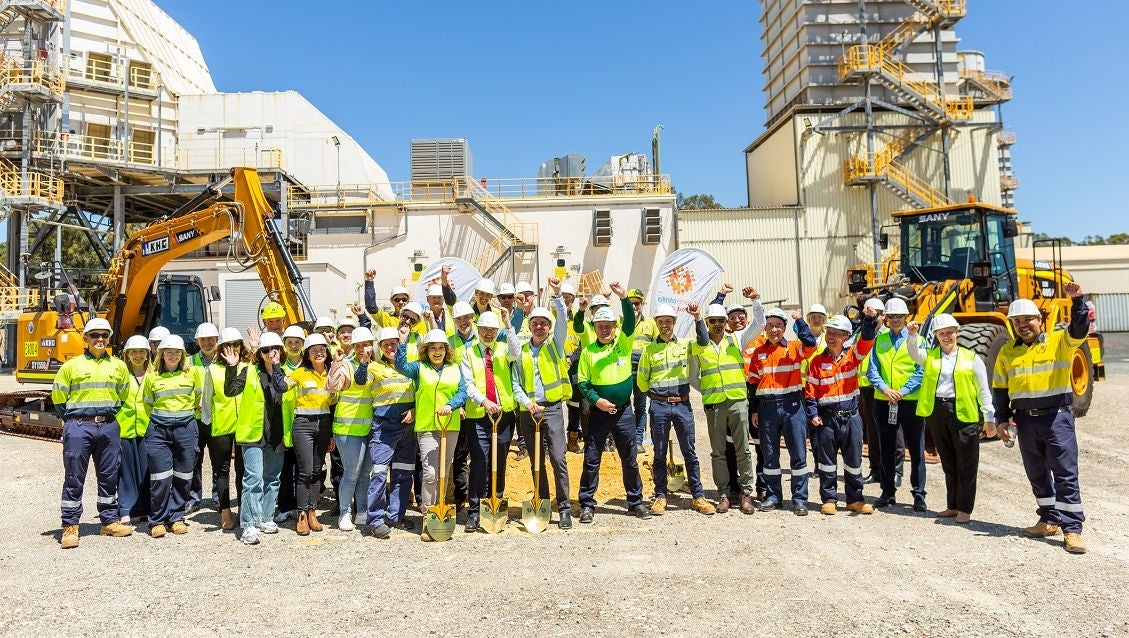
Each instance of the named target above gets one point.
<point>273,310</point>
<point>635,293</point>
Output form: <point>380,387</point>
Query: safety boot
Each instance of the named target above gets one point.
<point>157,531</point>
<point>574,442</point>
<point>312,521</point>
<point>860,507</point>
<point>116,529</point>
<point>723,505</point>
<point>1041,530</point>
<point>302,526</point>
<point>828,509</point>
<point>70,537</point>
<point>702,506</point>
<point>179,528</point>
<point>658,507</point>
<point>1072,542</point>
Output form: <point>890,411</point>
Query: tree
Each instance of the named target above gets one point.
<point>697,202</point>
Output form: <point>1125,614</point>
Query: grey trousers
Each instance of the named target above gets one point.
<point>730,418</point>
<point>554,442</point>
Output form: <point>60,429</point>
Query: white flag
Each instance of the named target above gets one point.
<point>463,278</point>
<point>689,275</point>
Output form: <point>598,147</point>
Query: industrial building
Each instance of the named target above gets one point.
<point>869,108</point>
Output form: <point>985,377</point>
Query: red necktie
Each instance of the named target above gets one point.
<point>491,390</point>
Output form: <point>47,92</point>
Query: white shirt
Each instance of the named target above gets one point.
<point>945,387</point>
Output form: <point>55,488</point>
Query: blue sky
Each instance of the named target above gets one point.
<point>527,81</point>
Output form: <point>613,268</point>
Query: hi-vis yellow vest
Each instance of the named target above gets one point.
<point>722,371</point>
<point>250,409</point>
<point>225,410</point>
<point>476,354</point>
<point>434,390</point>
<point>132,417</point>
<point>896,366</point>
<point>964,383</point>
<point>553,368</point>
<point>353,415</point>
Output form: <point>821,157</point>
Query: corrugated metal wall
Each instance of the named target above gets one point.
<point>1112,312</point>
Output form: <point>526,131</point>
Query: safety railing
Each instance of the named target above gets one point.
<point>870,59</point>
<point>58,6</point>
<point>209,157</point>
<point>524,233</point>
<point>112,74</point>
<point>1009,182</point>
<point>550,187</point>
<point>29,185</point>
<point>996,84</point>
<point>1005,138</point>
<point>917,187</point>
<point>90,147</point>
<point>16,72</point>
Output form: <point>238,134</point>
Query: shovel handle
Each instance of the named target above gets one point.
<point>495,419</point>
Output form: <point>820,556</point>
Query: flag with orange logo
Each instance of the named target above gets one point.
<point>689,275</point>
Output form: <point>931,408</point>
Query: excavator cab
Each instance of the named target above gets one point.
<point>971,241</point>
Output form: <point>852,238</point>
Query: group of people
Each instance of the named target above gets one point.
<point>400,398</point>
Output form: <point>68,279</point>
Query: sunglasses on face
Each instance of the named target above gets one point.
<point>400,300</point>
<point>715,320</point>
<point>409,318</point>
<point>99,335</point>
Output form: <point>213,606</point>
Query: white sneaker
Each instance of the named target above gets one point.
<point>250,536</point>
<point>269,527</point>
<point>345,523</point>
<point>282,517</point>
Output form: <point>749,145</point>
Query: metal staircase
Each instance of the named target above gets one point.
<point>510,237</point>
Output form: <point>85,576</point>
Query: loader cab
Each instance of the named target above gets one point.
<point>970,241</point>
<point>182,305</point>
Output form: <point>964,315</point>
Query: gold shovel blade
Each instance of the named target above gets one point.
<point>535,515</point>
<point>440,522</point>
<point>494,515</point>
<point>675,477</point>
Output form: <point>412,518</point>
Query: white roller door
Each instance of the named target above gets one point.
<point>242,300</point>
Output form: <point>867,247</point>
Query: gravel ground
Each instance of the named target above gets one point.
<point>893,573</point>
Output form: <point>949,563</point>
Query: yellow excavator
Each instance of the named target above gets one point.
<point>960,259</point>
<point>134,296</point>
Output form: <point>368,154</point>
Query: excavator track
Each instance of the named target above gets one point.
<point>28,414</point>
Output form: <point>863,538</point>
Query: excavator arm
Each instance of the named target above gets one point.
<point>253,241</point>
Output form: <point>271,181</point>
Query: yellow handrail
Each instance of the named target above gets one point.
<point>16,71</point>
<point>870,58</point>
<point>31,184</point>
<point>995,83</point>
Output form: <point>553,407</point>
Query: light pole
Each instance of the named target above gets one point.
<point>337,143</point>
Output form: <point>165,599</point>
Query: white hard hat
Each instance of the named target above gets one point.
<point>362,334</point>
<point>777,313</point>
<point>230,335</point>
<point>294,332</point>
<point>323,322</point>
<point>434,336</point>
<point>541,312</point>
<point>876,303</point>
<point>314,339</point>
<point>400,290</point>
<point>506,289</point>
<point>270,340</point>
<point>817,308</point>
<point>715,311</point>
<point>485,285</point>
<point>665,310</point>
<point>136,342</point>
<point>603,314</point>
<point>414,308</point>
<point>839,322</point>
<point>488,320</point>
<point>386,334</point>
<point>205,330</point>
<point>171,342</point>
<point>100,324</point>
<point>1023,308</point>
<point>735,308</point>
<point>435,290</point>
<point>568,289</point>
<point>896,306</point>
<point>523,286</point>
<point>156,334</point>
<point>461,309</point>
<point>599,300</point>
<point>347,321</point>
<point>944,320</point>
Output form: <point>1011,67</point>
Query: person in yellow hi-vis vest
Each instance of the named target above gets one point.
<point>645,331</point>
<point>352,425</point>
<point>133,478</point>
<point>440,391</point>
<point>956,402</point>
<point>171,393</point>
<point>261,430</point>
<point>1032,387</point>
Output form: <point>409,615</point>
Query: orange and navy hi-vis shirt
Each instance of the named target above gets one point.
<point>832,382</point>
<point>756,343</point>
<point>775,367</point>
